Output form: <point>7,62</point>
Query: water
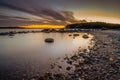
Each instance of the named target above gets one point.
<point>28,54</point>
<point>8,30</point>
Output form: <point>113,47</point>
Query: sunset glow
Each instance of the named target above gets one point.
<point>41,13</point>
<point>100,19</point>
<point>43,26</point>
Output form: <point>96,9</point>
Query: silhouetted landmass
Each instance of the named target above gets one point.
<point>84,25</point>
<point>94,25</point>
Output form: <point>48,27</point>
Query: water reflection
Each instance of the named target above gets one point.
<point>28,53</point>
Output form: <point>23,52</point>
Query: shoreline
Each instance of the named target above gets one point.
<point>102,62</point>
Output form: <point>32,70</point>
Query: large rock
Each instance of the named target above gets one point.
<point>49,40</point>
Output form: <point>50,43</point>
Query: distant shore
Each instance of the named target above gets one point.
<point>87,25</point>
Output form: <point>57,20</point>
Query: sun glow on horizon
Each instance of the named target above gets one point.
<point>101,19</point>
<point>98,16</point>
<point>43,26</point>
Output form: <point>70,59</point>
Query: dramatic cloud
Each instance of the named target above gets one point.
<point>44,14</point>
<point>20,12</point>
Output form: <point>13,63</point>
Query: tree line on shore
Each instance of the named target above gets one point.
<point>86,25</point>
<point>94,25</point>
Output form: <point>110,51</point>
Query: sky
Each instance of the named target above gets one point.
<point>58,12</point>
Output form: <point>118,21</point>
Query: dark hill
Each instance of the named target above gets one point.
<point>94,25</point>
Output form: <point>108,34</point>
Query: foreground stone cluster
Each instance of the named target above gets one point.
<point>101,63</point>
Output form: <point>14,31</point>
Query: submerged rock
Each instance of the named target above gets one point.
<point>49,40</point>
<point>70,34</point>
<point>2,34</point>
<point>85,36</point>
<point>75,34</point>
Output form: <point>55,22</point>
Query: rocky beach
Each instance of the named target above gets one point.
<point>100,62</point>
<point>59,39</point>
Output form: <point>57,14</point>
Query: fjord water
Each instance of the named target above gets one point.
<point>30,54</point>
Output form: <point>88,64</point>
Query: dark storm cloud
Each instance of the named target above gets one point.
<point>52,13</point>
<point>2,17</point>
<point>39,11</point>
<point>69,16</point>
<point>12,22</point>
<point>19,6</point>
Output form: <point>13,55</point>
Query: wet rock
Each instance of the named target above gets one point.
<point>68,68</point>
<point>70,34</point>
<point>74,58</point>
<point>46,30</point>
<point>88,60</point>
<point>11,34</point>
<point>3,34</point>
<point>75,35</point>
<point>60,67</point>
<point>77,65</point>
<point>85,36</point>
<point>78,71</point>
<point>119,39</point>
<point>59,77</point>
<point>52,65</point>
<point>49,40</point>
<point>81,61</point>
<point>41,78</point>
<point>70,62</point>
